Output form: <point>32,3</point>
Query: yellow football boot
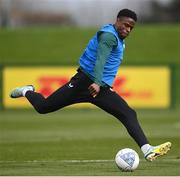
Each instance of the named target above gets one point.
<point>156,151</point>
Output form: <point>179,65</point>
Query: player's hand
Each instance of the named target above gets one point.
<point>94,89</point>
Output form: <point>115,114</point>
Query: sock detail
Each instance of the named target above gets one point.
<point>145,148</point>
<point>25,90</point>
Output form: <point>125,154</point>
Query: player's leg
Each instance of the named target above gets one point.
<point>60,98</point>
<point>112,103</point>
<point>70,93</point>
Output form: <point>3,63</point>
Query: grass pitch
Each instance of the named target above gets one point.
<point>82,142</point>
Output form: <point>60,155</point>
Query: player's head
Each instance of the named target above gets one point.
<point>125,22</point>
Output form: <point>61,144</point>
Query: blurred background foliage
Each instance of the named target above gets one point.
<point>55,32</point>
<point>147,44</point>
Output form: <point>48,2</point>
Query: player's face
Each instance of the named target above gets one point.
<point>124,26</point>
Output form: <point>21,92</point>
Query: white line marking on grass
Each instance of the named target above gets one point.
<point>77,161</point>
<point>58,161</point>
<point>85,161</point>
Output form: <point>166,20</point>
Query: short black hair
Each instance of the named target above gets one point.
<point>127,13</point>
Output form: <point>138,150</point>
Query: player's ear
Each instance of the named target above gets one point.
<point>118,19</point>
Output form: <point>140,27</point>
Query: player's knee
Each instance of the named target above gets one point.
<point>40,111</point>
<point>42,108</point>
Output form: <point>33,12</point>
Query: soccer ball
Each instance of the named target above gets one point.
<point>127,159</point>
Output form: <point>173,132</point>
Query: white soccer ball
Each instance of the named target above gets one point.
<point>127,159</point>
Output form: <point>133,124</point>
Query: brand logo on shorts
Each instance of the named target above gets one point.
<point>111,90</point>
<point>70,85</point>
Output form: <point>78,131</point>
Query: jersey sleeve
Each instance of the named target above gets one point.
<point>107,42</point>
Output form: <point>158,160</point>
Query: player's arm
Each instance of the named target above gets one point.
<point>107,41</point>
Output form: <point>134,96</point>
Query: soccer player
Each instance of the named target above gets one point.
<point>92,83</point>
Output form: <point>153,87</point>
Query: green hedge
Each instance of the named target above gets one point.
<point>146,45</point>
